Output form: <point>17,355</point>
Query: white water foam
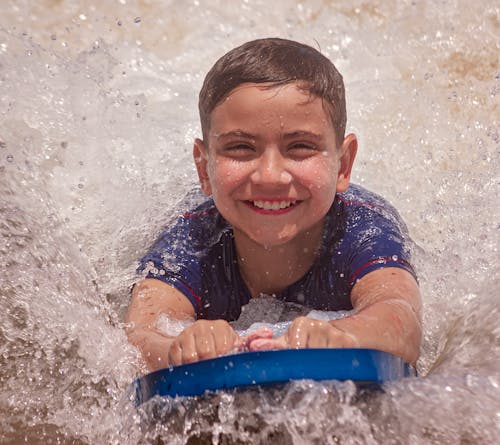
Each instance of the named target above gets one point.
<point>97,118</point>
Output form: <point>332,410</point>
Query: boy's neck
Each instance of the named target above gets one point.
<point>270,270</point>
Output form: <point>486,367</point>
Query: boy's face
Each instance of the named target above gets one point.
<point>272,163</point>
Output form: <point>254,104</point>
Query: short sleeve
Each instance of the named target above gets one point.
<point>171,261</point>
<point>176,258</point>
<point>375,237</point>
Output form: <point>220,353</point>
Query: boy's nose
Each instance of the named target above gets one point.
<point>271,170</point>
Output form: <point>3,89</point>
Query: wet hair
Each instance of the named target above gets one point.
<point>278,62</point>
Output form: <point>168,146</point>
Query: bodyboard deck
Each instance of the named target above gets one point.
<point>366,366</point>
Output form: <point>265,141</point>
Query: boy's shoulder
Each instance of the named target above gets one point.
<point>357,200</point>
<point>197,209</point>
<point>358,196</point>
<point>198,224</point>
<point>368,234</point>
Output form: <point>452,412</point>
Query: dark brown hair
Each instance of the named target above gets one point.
<point>279,62</point>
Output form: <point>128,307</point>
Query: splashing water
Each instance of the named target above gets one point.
<point>98,114</point>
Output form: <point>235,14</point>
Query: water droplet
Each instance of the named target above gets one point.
<point>493,382</point>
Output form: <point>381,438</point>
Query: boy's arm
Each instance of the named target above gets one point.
<point>388,313</point>
<point>150,298</point>
<point>388,317</point>
<point>203,339</point>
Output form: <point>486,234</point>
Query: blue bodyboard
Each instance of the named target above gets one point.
<point>366,366</point>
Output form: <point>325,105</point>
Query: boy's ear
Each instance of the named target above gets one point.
<point>347,154</point>
<point>200,156</point>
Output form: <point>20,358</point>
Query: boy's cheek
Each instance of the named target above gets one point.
<point>226,179</point>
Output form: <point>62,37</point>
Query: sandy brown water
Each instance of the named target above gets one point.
<point>97,117</point>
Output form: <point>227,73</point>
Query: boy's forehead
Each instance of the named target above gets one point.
<point>257,106</point>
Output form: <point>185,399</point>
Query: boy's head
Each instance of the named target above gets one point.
<point>278,62</point>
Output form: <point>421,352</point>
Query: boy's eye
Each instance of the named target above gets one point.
<point>239,147</point>
<point>238,150</point>
<point>303,148</point>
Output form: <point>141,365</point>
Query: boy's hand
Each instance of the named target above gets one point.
<point>306,333</point>
<point>203,340</point>
<point>208,339</point>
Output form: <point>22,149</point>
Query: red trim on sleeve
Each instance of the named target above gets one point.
<point>193,293</point>
<point>352,202</point>
<point>210,211</point>
<point>356,273</point>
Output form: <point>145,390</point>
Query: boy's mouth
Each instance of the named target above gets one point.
<point>278,206</point>
<point>273,205</point>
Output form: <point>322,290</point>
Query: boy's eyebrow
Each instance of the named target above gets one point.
<point>291,135</point>
<point>235,133</point>
<point>299,133</point>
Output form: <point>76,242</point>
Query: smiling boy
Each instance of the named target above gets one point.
<point>280,219</point>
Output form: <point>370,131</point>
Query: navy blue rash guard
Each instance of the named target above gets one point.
<point>197,256</point>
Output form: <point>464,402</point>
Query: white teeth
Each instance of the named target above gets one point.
<point>273,205</point>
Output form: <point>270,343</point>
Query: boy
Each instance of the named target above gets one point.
<point>281,219</point>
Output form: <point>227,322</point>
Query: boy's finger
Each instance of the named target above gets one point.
<point>189,351</point>
<point>175,355</point>
<point>228,342</point>
<point>205,347</point>
<point>259,333</point>
<point>265,344</point>
<point>239,344</point>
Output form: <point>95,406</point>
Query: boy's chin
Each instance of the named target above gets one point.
<point>273,240</point>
